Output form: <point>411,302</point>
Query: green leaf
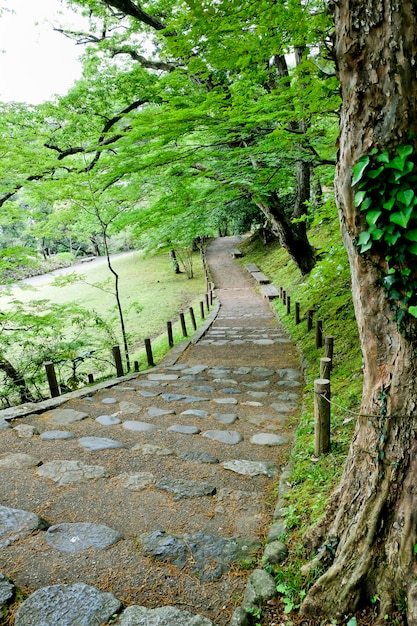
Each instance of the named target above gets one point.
<point>391,238</point>
<point>404,151</point>
<point>406,196</point>
<point>352,622</point>
<point>375,173</point>
<point>364,238</point>
<point>372,217</point>
<point>359,197</point>
<point>412,248</point>
<point>359,169</point>
<point>402,217</point>
<point>411,235</point>
<point>383,157</point>
<point>413,311</point>
<point>389,204</point>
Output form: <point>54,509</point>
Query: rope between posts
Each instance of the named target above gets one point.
<point>343,408</point>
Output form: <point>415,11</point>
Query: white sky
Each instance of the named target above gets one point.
<point>35,61</point>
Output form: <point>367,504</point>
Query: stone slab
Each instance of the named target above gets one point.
<point>161,616</point>
<point>68,472</point>
<point>135,482</point>
<point>184,429</point>
<point>63,417</point>
<point>108,420</point>
<point>252,468</point>
<point>51,435</point>
<point>18,460</point>
<point>268,439</point>
<point>16,523</point>
<point>80,536</point>
<point>230,437</point>
<point>182,488</point>
<point>140,427</point>
<point>99,443</point>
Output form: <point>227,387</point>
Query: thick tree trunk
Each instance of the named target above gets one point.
<point>372,517</point>
<point>292,237</point>
<point>17,379</point>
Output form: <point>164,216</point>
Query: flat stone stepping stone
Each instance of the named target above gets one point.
<point>64,417</point>
<point>172,397</point>
<point>52,435</point>
<point>18,460</point>
<point>189,399</point>
<point>258,384</point>
<point>154,411</point>
<point>140,427</point>
<point>230,390</point>
<point>242,370</point>
<point>289,373</point>
<point>263,371</point>
<point>162,616</point>
<point>135,482</point>
<point>225,400</point>
<point>148,394</point>
<point>68,472</point>
<point>288,396</point>
<point>203,388</point>
<point>225,381</point>
<point>147,383</point>
<point>67,605</point>
<point>257,394</point>
<point>184,429</point>
<point>4,424</point>
<point>209,556</point>
<point>25,431</point>
<point>74,538</point>
<point>129,407</point>
<point>16,523</point>
<point>230,437</point>
<point>7,590</point>
<point>162,377</point>
<point>283,407</point>
<point>196,412</point>
<point>263,342</point>
<point>99,443</point>
<point>194,369</point>
<point>268,439</point>
<point>149,448</point>
<point>199,457</point>
<point>220,372</point>
<point>252,468</point>
<point>289,383</point>
<point>108,420</point>
<point>225,418</point>
<point>183,488</point>
<point>109,401</point>
<point>252,403</point>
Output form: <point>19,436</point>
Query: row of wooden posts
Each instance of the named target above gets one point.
<point>205,305</point>
<point>322,384</point>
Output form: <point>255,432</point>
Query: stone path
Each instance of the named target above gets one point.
<point>157,490</point>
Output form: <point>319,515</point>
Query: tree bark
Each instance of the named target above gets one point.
<point>372,517</point>
<point>17,379</point>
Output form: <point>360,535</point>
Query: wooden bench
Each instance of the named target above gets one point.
<point>236,254</point>
<point>251,267</point>
<point>270,292</point>
<point>260,278</point>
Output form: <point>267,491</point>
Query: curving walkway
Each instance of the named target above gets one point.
<point>157,490</point>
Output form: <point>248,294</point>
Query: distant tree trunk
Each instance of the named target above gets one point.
<point>292,237</point>
<point>17,379</point>
<point>174,262</point>
<point>372,517</point>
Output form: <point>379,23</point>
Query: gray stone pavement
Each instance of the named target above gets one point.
<point>148,500</point>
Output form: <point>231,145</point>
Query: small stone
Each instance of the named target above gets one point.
<point>276,531</point>
<point>203,388</point>
<point>259,384</point>
<point>252,468</point>
<point>148,394</point>
<point>194,369</point>
<point>51,435</point>
<point>4,424</point>
<point>63,417</point>
<point>162,616</point>
<point>261,586</point>
<point>74,538</point>
<point>163,377</point>
<point>109,401</point>
<point>129,407</point>
<point>68,472</point>
<point>7,590</point>
<point>225,400</point>
<point>135,482</point>
<point>184,429</point>
<point>67,605</point>
<point>148,448</point>
<point>268,439</point>
<point>225,418</point>
<point>230,437</point>
<point>154,411</point>
<point>183,488</point>
<point>18,460</point>
<point>141,427</point>
<point>252,403</point>
<point>172,397</point>
<point>275,552</point>
<point>189,399</point>
<point>199,457</point>
<point>230,390</point>
<point>16,523</point>
<point>99,443</point>
<point>25,431</point>
<point>108,420</point>
<point>196,412</point>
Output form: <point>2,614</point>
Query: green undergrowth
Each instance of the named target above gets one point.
<point>327,290</point>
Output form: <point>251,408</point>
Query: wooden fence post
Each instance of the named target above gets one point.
<point>136,366</point>
<point>118,360</point>
<point>321,416</point>
<point>325,367</point>
<point>90,379</point>
<point>207,303</point>
<point>328,348</point>
<point>284,297</point>
<point>192,316</point>
<point>297,313</point>
<point>319,334</point>
<point>149,354</point>
<point>310,314</point>
<point>288,305</point>
<point>183,326</point>
<point>202,310</point>
<point>169,333</point>
<point>52,381</point>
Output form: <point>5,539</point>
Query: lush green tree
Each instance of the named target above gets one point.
<point>368,536</point>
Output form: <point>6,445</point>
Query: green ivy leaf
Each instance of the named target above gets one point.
<point>359,169</point>
<point>406,196</point>
<point>411,235</point>
<point>372,217</point>
<point>375,173</point>
<point>405,151</point>
<point>389,203</point>
<point>412,248</point>
<point>398,163</point>
<point>359,197</point>
<point>402,217</point>
<point>391,238</point>
<point>413,311</point>
<point>383,157</point>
